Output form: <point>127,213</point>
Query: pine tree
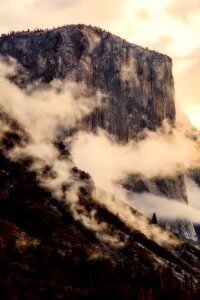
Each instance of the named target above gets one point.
<point>154,219</point>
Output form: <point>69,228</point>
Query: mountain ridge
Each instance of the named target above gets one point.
<point>99,29</point>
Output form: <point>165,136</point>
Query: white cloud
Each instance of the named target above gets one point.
<point>157,155</point>
<point>167,209</point>
<point>193,191</point>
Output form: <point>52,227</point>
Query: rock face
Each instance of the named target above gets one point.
<point>138,82</point>
<point>137,85</point>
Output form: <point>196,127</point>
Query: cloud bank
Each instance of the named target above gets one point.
<point>167,209</point>
<point>159,154</point>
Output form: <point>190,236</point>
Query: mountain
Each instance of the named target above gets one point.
<point>137,84</point>
<point>84,248</point>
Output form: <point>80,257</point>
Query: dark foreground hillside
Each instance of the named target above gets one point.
<point>45,254</point>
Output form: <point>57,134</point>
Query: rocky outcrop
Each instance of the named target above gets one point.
<point>136,83</point>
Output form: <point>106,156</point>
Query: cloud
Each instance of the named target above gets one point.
<point>42,110</point>
<point>184,9</point>
<point>41,113</point>
<point>158,154</point>
<point>135,220</point>
<point>193,192</point>
<point>142,14</point>
<point>166,209</point>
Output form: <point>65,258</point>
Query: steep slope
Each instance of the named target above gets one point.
<point>46,254</point>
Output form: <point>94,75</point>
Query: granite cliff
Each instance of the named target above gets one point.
<point>137,84</point>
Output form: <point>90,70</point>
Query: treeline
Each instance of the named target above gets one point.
<point>98,30</point>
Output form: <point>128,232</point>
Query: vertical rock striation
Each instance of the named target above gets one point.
<point>138,82</point>
<point>137,85</point>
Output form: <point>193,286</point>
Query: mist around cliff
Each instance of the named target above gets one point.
<point>160,154</point>
<point>36,118</point>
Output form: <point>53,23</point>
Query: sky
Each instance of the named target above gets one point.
<point>168,26</point>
